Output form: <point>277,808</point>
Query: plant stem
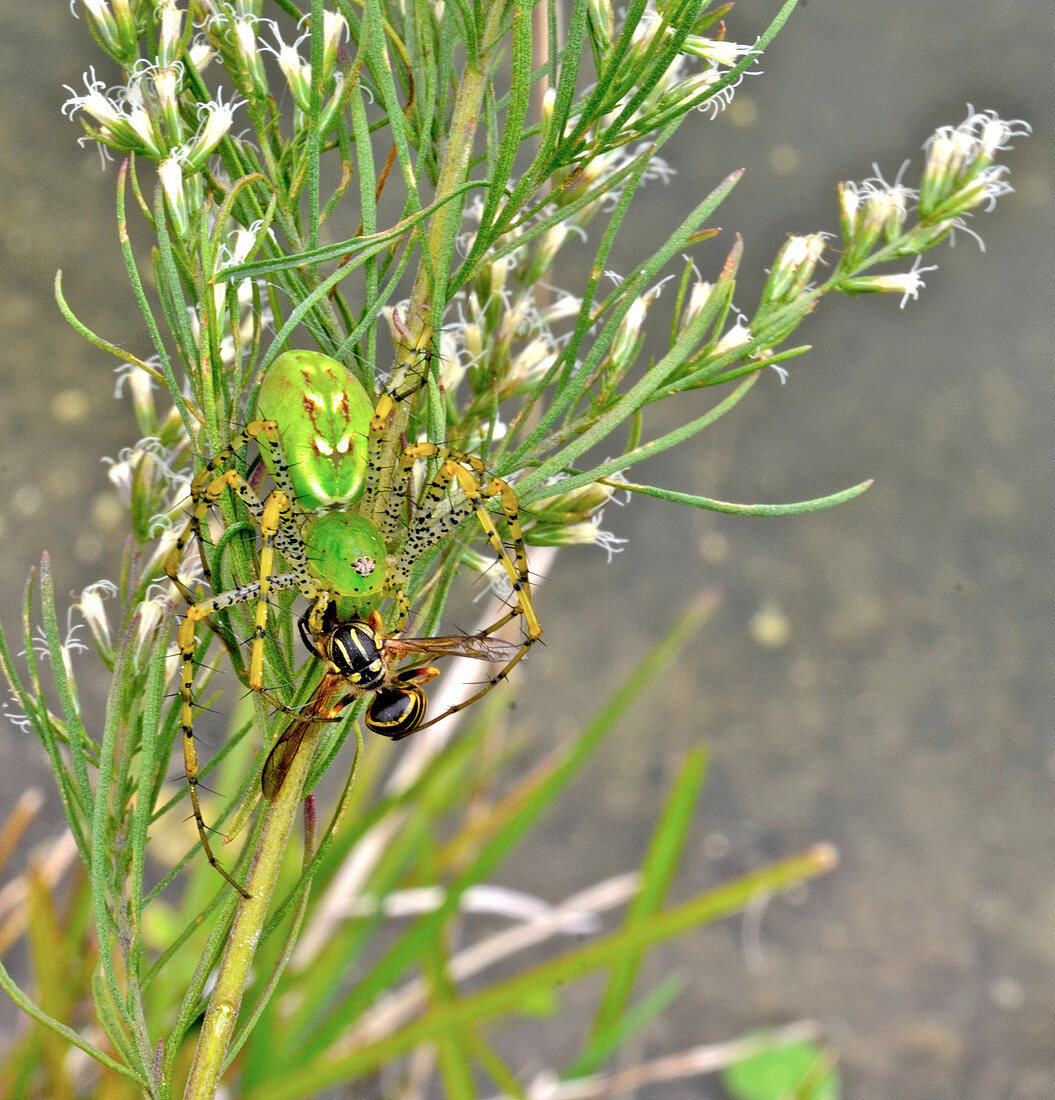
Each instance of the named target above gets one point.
<point>453,171</point>
<point>222,1013</point>
<point>430,283</point>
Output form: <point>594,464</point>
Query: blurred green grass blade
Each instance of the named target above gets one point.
<point>452,1050</point>
<point>260,1060</point>
<point>7,983</point>
<point>436,791</point>
<point>337,842</point>
<point>52,964</point>
<point>657,873</point>
<point>323,1012</point>
<point>494,1066</point>
<point>524,990</point>
<point>635,1017</point>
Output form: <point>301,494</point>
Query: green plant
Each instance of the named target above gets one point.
<point>446,155</point>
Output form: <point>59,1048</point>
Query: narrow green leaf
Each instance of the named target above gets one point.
<point>645,450</point>
<point>518,100</point>
<point>104,847</point>
<point>80,748</point>
<point>814,505</point>
<point>72,1037</point>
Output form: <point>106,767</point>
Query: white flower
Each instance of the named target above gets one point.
<point>121,121</point>
<point>736,337</point>
<point>719,52</point>
<point>215,118</point>
<point>909,283</point>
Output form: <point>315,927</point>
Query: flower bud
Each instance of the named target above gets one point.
<point>167,83</point>
<point>170,32</point>
<point>574,505</point>
<point>849,210</point>
<point>170,178</point>
<point>908,283</point>
<point>149,616</point>
<point>105,26</point>
<point>738,336</point>
<point>602,23</point>
<point>628,337</point>
<point>216,119</point>
<point>247,58</point>
<point>93,611</point>
<point>793,269</point>
<point>334,29</point>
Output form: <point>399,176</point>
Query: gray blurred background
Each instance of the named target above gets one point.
<point>879,676</point>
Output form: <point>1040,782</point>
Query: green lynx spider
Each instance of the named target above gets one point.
<point>348,545</point>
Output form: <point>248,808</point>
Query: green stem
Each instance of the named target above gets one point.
<point>432,277</point>
<point>210,1057</point>
<point>454,169</point>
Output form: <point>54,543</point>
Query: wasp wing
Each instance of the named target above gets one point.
<point>323,706</point>
<point>483,647</point>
